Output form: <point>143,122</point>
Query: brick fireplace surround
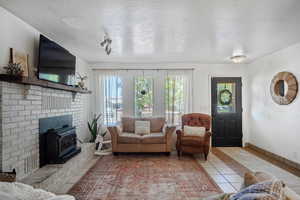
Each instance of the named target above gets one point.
<point>21,107</point>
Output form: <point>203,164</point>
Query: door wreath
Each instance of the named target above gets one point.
<point>225,97</point>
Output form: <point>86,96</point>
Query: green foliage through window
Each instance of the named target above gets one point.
<point>143,96</point>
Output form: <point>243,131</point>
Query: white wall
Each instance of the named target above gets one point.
<point>17,34</point>
<point>273,127</point>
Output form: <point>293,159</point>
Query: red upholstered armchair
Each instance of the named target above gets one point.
<point>194,144</point>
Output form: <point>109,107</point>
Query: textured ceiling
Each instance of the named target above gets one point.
<point>205,31</point>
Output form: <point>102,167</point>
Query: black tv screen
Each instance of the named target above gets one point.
<point>56,64</point>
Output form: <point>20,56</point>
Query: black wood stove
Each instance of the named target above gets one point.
<point>58,140</point>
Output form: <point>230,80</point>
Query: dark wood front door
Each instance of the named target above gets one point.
<point>226,111</point>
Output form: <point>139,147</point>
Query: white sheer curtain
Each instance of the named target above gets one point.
<point>178,95</point>
<point>114,102</point>
<point>109,95</point>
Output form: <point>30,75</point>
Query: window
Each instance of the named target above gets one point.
<point>156,93</point>
<point>113,103</point>
<point>143,97</point>
<point>174,99</point>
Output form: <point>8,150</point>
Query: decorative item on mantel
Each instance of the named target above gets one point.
<point>81,83</point>
<point>18,64</point>
<point>20,58</point>
<point>14,70</point>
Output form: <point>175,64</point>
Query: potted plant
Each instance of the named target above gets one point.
<point>94,128</point>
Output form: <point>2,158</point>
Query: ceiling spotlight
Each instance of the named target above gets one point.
<point>238,58</point>
<point>106,44</point>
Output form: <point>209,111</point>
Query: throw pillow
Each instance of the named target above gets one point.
<point>264,190</point>
<point>156,124</point>
<point>194,131</point>
<point>142,127</point>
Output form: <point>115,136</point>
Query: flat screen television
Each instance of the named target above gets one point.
<point>55,64</point>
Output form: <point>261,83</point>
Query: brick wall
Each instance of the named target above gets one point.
<point>21,107</point>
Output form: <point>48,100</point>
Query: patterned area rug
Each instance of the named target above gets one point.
<point>145,177</point>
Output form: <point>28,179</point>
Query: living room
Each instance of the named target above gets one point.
<point>149,99</point>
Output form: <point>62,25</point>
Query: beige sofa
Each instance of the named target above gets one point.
<point>125,140</point>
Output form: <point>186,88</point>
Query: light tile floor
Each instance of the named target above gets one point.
<point>229,181</point>
<point>71,182</point>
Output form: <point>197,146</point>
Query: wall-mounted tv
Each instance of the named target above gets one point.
<point>56,64</point>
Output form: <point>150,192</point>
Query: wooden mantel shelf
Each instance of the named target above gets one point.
<point>42,83</point>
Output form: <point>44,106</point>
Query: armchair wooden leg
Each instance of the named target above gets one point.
<point>205,156</point>
<point>178,153</point>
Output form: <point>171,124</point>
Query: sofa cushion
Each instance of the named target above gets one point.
<point>128,124</point>
<point>154,138</point>
<point>192,140</point>
<point>129,138</point>
<point>156,124</point>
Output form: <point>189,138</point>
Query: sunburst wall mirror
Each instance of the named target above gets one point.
<point>284,88</point>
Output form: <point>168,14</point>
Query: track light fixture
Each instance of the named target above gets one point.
<point>106,44</point>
